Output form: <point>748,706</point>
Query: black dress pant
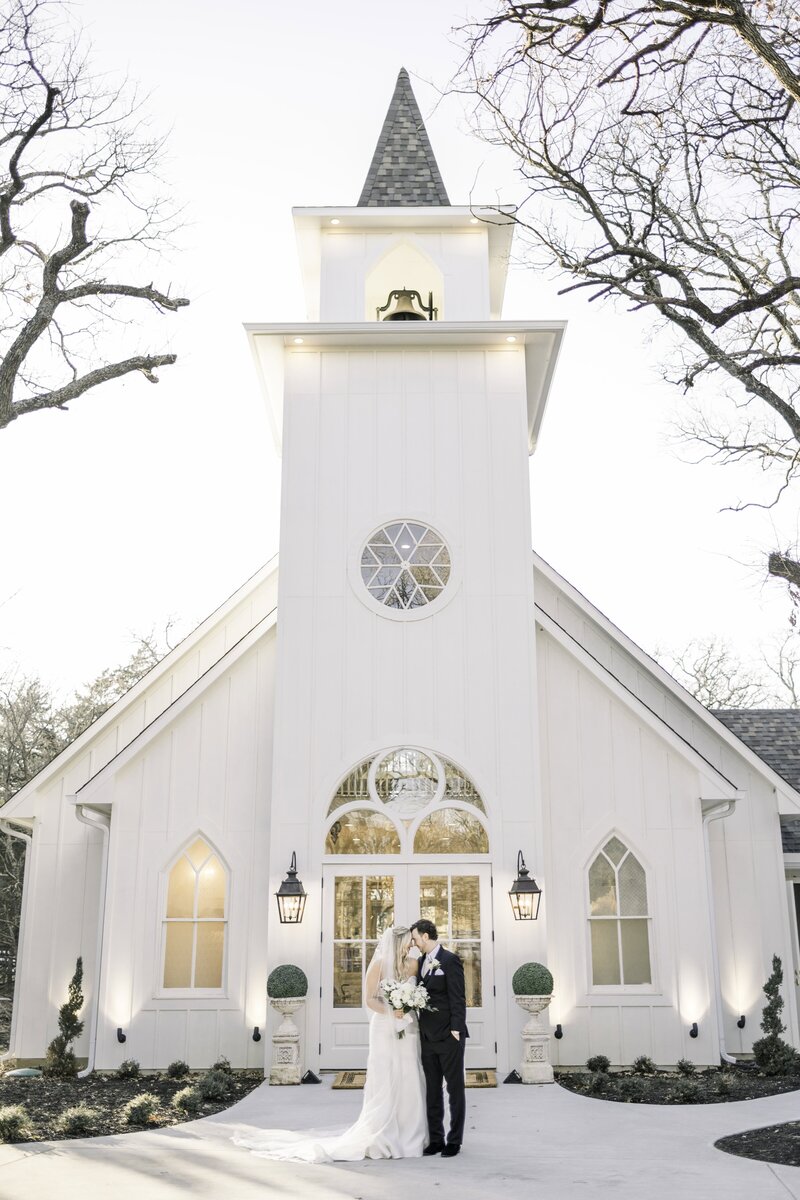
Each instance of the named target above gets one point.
<point>443,1062</point>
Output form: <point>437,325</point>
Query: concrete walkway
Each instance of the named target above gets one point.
<point>542,1141</point>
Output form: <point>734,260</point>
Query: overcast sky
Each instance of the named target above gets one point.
<point>148,503</point>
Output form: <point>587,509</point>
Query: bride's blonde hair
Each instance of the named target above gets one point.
<point>401,942</point>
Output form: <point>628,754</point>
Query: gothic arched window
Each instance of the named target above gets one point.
<point>618,917</point>
<point>195,919</point>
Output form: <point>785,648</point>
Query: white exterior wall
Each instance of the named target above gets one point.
<point>208,773</point>
<point>61,902</point>
<point>437,436</point>
<point>747,864</point>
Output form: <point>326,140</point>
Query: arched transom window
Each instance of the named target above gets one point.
<point>618,917</point>
<point>195,919</point>
<point>410,799</point>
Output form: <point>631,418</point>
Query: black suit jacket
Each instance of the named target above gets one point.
<point>447,996</point>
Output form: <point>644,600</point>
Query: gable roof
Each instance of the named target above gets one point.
<point>403,170</point>
<point>655,671</point>
<point>150,684</point>
<point>773,733</point>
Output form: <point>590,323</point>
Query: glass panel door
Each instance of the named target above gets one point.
<point>458,901</point>
<point>357,907</point>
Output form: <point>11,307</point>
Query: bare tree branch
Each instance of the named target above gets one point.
<point>67,137</point>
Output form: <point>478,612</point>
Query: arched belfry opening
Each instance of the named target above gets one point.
<point>403,266</point>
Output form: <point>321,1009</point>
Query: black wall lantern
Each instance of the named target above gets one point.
<point>693,1030</point>
<point>122,1037</point>
<point>525,894</point>
<point>291,896</point>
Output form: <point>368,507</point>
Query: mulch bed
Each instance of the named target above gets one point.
<point>714,1086</point>
<point>46,1099</point>
<point>774,1144</point>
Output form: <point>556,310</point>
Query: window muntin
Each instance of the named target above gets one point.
<point>405,565</point>
<point>387,794</point>
<point>195,920</point>
<point>618,918</point>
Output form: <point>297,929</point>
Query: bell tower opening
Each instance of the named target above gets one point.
<point>403,268</point>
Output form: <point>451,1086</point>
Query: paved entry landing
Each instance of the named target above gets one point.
<point>543,1142</point>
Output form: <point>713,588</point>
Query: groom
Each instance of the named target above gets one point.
<point>443,1035</point>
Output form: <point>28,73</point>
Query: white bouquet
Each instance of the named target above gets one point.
<point>406,996</point>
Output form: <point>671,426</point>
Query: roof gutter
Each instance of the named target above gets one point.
<point>715,810</point>
<point>102,822</point>
<point>27,838</point>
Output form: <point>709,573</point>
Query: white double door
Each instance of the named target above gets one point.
<point>359,905</point>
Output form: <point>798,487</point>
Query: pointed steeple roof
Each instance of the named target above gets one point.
<point>403,169</point>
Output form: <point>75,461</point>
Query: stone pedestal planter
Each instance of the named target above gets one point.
<point>535,1067</point>
<point>286,1062</point>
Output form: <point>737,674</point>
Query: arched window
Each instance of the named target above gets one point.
<point>195,920</point>
<point>407,799</point>
<point>618,917</point>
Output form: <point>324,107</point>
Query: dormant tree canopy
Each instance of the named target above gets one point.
<point>79,206</point>
<point>660,147</point>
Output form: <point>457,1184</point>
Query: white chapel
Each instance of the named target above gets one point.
<point>404,703</point>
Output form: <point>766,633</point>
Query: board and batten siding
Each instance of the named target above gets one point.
<point>607,773</point>
<point>747,869</point>
<point>438,436</point>
<point>61,904</point>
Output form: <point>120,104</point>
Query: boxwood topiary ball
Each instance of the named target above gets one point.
<point>532,979</point>
<point>286,981</point>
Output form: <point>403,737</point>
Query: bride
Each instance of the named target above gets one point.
<point>392,1122</point>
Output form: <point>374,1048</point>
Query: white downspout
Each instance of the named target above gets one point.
<point>27,838</point>
<point>101,821</point>
<point>713,810</point>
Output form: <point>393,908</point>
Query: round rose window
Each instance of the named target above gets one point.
<point>405,565</point>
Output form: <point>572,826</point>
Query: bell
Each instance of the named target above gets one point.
<point>404,309</point>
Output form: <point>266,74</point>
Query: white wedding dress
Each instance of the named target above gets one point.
<point>392,1122</point>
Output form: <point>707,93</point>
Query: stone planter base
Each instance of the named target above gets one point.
<point>535,1066</point>
<point>287,1067</point>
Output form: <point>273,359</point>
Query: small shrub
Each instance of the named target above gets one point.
<point>598,1062</point>
<point>141,1109</point>
<point>178,1069</point>
<point>688,1091</point>
<point>128,1069</point>
<point>286,980</point>
<point>596,1083</point>
<point>532,979</point>
<point>630,1088</point>
<point>78,1121</point>
<point>644,1065</point>
<point>723,1084</point>
<point>773,1055</point>
<point>15,1124</point>
<point>187,1100</point>
<point>222,1064</point>
<point>60,1062</point>
<point>214,1085</point>
<point>685,1067</point>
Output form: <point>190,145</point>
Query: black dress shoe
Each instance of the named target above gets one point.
<point>451,1150</point>
<point>434,1148</point>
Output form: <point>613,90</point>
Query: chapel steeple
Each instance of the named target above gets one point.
<point>403,169</point>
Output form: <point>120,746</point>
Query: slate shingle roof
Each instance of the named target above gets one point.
<point>774,735</point>
<point>403,169</point>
